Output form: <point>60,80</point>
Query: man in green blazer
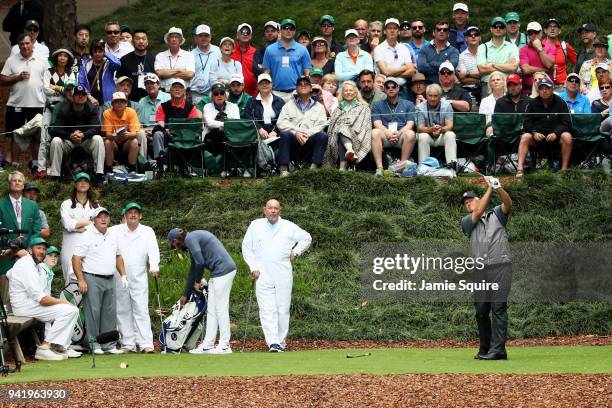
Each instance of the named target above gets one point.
<point>16,212</point>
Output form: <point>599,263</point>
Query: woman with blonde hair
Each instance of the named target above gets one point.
<point>350,128</point>
<point>497,89</point>
<point>321,55</point>
<point>536,76</point>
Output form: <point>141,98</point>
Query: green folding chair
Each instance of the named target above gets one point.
<point>240,145</point>
<point>507,131</point>
<point>470,129</point>
<point>589,142</point>
<point>186,148</point>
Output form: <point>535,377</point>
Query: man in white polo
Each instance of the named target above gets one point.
<point>96,258</point>
<point>393,59</point>
<point>175,62</point>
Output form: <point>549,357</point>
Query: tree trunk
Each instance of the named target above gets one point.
<point>60,20</point>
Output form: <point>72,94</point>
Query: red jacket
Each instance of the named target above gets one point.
<point>246,59</point>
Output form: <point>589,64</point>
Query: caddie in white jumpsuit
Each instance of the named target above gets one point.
<point>268,247</point>
<point>139,247</point>
<point>29,288</point>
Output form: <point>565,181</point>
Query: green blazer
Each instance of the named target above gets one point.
<point>30,221</point>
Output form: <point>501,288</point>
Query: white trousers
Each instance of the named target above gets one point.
<point>133,320</point>
<point>63,318</point>
<point>60,147</point>
<point>274,300</point>
<point>217,312</point>
<point>446,139</point>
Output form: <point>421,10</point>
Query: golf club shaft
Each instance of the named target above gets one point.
<point>161,318</point>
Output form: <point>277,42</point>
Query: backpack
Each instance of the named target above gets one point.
<point>265,157</point>
<point>183,327</point>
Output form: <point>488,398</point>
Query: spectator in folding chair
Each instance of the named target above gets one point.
<point>149,103</point>
<point>393,121</point>
<point>458,97</point>
<point>435,125</point>
<point>302,122</point>
<point>534,87</point>
<point>237,95</point>
<point>418,37</point>
<point>497,89</point>
<point>536,56</point>
<point>324,96</point>
<point>31,192</point>
<point>120,126</point>
<point>77,124</point>
<point>547,123</point>
<point>576,101</point>
<point>368,91</point>
<point>214,114</point>
<point>514,101</point>
<point>177,107</point>
<point>265,108</point>
<point>602,105</point>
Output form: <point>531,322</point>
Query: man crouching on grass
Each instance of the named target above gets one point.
<point>486,230</point>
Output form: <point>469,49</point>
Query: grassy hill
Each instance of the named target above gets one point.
<point>343,211</point>
<point>223,17</point>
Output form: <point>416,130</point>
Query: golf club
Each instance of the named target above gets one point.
<point>358,355</point>
<point>246,318</point>
<point>161,317</point>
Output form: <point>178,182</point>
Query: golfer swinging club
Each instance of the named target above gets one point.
<point>268,247</point>
<point>486,230</point>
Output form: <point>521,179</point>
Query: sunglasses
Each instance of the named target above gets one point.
<point>113,32</point>
<point>442,30</point>
<point>473,35</point>
<point>446,72</point>
<point>499,26</point>
<point>218,93</point>
<point>605,87</point>
<point>574,80</point>
<point>288,28</point>
<point>532,32</point>
<point>245,32</point>
<point>395,54</point>
<point>326,25</point>
<point>418,27</point>
<point>33,29</point>
<point>390,86</point>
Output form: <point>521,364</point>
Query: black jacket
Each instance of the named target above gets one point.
<point>86,121</point>
<point>505,104</point>
<point>543,119</point>
<point>129,67</point>
<point>254,111</point>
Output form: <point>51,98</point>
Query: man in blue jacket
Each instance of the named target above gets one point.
<point>437,51</point>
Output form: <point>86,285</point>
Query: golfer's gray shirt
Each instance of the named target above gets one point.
<point>488,238</point>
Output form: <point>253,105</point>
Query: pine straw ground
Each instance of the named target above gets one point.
<point>359,390</point>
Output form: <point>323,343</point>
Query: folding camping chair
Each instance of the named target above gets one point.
<point>186,148</point>
<point>589,142</point>
<point>507,131</point>
<point>241,141</point>
<point>470,129</point>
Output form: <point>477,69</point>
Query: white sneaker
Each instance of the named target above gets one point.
<point>45,353</point>
<point>77,347</point>
<point>246,174</point>
<point>98,351</point>
<point>202,350</point>
<point>128,349</point>
<point>148,350</point>
<point>72,353</point>
<point>219,350</point>
<point>114,351</point>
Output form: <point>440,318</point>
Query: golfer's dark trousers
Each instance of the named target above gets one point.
<point>289,148</point>
<point>492,308</point>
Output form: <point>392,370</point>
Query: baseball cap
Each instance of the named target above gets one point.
<point>461,6</point>
<point>552,20</point>
<point>600,42</point>
<point>78,90</point>
<point>202,29</point>
<point>392,79</point>
<point>177,81</point>
<point>303,32</point>
<point>122,212</point>
<point>513,79</point>
<point>327,17</point>
<point>351,31</point>
<point>37,240</point>
<point>31,23</point>
<point>81,175</point>
<point>472,28</point>
<point>52,250</point>
<point>418,77</point>
<point>30,186</point>
<point>468,194</point>
<point>314,40</point>
<point>587,27</point>
<point>391,21</point>
<point>303,78</point>
<point>602,65</point>
<point>123,78</point>
<point>237,78</point>
<point>131,205</point>
<point>512,16</point>
<point>99,211</point>
<point>264,77</point>
<point>224,39</point>
<point>272,24</point>
<point>316,71</point>
<point>534,25</point>
<point>119,96</point>
<point>244,25</point>
<point>288,21</point>
<point>217,87</point>
<point>497,20</point>
<point>151,77</point>
<point>573,74</point>
<point>173,234</point>
<point>544,82</point>
<point>174,30</point>
<point>446,65</point>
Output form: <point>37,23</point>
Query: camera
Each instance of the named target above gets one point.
<point>17,243</point>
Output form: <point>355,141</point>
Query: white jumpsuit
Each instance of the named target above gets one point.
<point>268,250</point>
<point>133,320</point>
<point>70,216</point>
<point>27,286</point>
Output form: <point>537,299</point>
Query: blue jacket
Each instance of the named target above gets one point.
<point>111,65</point>
<point>254,111</point>
<point>429,60</point>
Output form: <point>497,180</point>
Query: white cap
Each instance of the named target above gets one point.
<point>202,29</point>
<point>461,6</point>
<point>447,65</point>
<point>224,39</point>
<point>272,24</point>
<point>177,81</point>
<point>243,25</point>
<point>174,30</point>
<point>603,65</point>
<point>151,77</point>
<point>351,31</point>
<point>100,210</point>
<point>394,80</point>
<point>119,96</point>
<point>264,77</point>
<point>391,21</point>
<point>237,78</point>
<point>534,25</point>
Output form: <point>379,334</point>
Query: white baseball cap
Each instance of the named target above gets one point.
<point>236,78</point>
<point>264,77</point>
<point>243,25</point>
<point>272,24</point>
<point>224,39</point>
<point>177,81</point>
<point>351,31</point>
<point>461,6</point>
<point>119,96</point>
<point>151,77</point>
<point>100,210</point>
<point>447,65</point>
<point>174,30</point>
<point>202,29</point>
<point>534,25</point>
<point>391,21</point>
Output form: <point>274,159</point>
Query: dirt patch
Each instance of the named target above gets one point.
<point>442,390</point>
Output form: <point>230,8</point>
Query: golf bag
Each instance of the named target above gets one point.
<point>181,330</point>
<point>72,294</point>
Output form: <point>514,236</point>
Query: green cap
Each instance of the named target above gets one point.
<point>122,212</point>
<point>36,240</point>
<point>497,20</point>
<point>70,83</point>
<point>81,175</point>
<point>315,71</point>
<point>52,250</point>
<point>327,17</point>
<point>512,16</point>
<point>288,21</point>
<point>131,205</point>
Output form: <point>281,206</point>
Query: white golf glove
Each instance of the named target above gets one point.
<point>124,282</point>
<point>495,183</point>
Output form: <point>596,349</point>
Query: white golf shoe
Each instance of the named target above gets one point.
<point>220,350</point>
<point>45,353</point>
<point>202,350</point>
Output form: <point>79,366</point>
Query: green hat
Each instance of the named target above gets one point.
<point>36,240</point>
<point>122,212</point>
<point>315,71</point>
<point>288,21</point>
<point>81,175</point>
<point>131,205</point>
<point>327,17</point>
<point>52,250</point>
<point>512,16</point>
<point>70,83</point>
<point>497,20</point>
